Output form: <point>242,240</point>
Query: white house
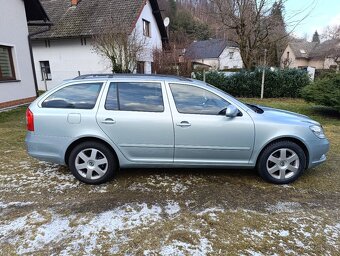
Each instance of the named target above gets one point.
<point>17,85</point>
<point>219,54</point>
<point>66,51</point>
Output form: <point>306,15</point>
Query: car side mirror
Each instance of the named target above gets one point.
<point>231,111</point>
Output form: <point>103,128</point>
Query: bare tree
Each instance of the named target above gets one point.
<point>120,46</point>
<point>331,32</point>
<point>254,25</point>
<point>172,62</point>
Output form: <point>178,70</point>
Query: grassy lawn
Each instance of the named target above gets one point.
<point>44,210</point>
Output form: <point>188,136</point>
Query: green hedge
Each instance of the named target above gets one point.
<point>278,83</point>
<point>325,91</point>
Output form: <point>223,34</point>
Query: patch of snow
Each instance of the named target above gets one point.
<point>79,231</point>
<point>138,187</point>
<point>13,226</point>
<point>15,204</point>
<point>180,248</point>
<point>47,233</point>
<point>284,207</point>
<point>332,233</point>
<point>172,208</point>
<point>33,180</point>
<point>211,212</point>
<point>253,233</point>
<point>179,188</point>
<point>253,253</point>
<point>284,233</point>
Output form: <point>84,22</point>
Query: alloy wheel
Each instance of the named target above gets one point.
<point>283,164</point>
<point>91,163</point>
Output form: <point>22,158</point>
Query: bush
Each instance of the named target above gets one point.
<point>279,83</point>
<point>325,91</point>
<point>322,73</point>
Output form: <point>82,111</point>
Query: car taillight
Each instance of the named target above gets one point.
<point>29,120</point>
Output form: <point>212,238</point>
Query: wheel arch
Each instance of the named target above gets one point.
<point>87,139</point>
<point>286,138</point>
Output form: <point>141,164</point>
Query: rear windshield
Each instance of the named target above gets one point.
<point>76,96</point>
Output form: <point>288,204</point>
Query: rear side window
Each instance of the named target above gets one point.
<point>78,96</point>
<point>135,96</point>
<point>193,100</point>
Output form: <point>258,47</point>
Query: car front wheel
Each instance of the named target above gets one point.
<point>92,163</point>
<point>282,162</point>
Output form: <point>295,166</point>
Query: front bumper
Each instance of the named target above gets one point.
<point>317,152</point>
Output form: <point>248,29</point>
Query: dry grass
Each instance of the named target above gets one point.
<point>214,212</point>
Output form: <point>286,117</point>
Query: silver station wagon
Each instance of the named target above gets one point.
<point>95,124</point>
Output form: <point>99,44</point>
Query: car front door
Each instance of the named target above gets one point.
<point>203,133</point>
<point>137,118</point>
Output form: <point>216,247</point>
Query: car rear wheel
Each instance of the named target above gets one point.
<point>282,162</point>
<point>92,163</point>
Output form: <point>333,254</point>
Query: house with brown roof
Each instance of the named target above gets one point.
<point>17,83</point>
<point>303,54</point>
<point>66,50</point>
<point>218,54</point>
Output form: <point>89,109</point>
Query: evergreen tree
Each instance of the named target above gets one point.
<point>316,38</point>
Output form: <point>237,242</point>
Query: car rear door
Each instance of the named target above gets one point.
<point>202,134</point>
<point>137,118</point>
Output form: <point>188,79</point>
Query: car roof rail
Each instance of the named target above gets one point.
<point>94,76</point>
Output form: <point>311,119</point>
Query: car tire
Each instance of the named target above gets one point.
<point>92,163</point>
<point>281,162</point>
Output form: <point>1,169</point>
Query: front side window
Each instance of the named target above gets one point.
<point>193,100</point>
<point>45,70</point>
<point>76,96</point>
<point>6,64</point>
<point>135,96</point>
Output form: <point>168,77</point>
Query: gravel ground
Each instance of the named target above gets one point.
<point>45,211</point>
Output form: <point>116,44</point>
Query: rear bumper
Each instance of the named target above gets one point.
<point>46,148</point>
<point>317,152</point>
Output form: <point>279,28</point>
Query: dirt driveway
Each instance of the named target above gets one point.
<point>44,210</point>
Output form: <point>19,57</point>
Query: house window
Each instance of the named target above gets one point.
<point>47,43</point>
<point>146,28</point>
<point>140,67</point>
<point>83,41</point>
<point>287,55</point>
<point>231,55</point>
<point>6,64</point>
<point>45,70</point>
<point>152,68</point>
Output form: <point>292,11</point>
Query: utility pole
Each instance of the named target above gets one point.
<point>263,72</point>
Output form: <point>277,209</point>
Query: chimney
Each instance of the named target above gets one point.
<point>74,2</point>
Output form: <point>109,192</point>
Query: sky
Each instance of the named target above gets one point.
<point>322,13</point>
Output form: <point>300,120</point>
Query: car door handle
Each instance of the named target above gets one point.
<point>108,121</point>
<point>184,124</point>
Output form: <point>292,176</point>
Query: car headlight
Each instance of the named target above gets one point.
<point>318,131</point>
